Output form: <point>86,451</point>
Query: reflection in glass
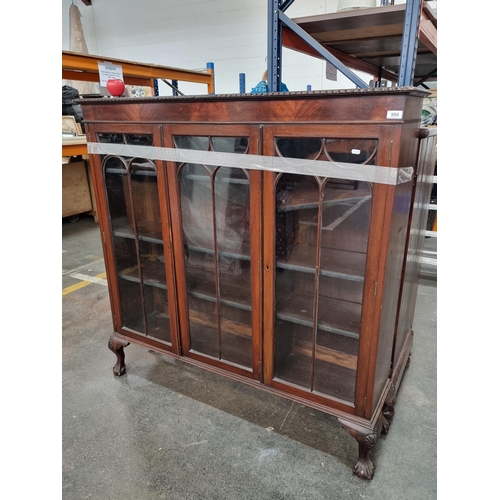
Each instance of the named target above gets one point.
<point>299,148</point>
<point>145,201</point>
<point>351,150</point>
<point>215,206</point>
<point>110,138</point>
<point>191,142</point>
<point>232,209</point>
<point>117,188</point>
<point>230,144</point>
<point>197,224</point>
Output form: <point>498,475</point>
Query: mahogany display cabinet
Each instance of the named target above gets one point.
<point>273,238</point>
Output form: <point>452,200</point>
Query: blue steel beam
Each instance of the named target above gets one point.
<point>426,77</point>
<point>284,4</point>
<point>409,44</point>
<point>274,46</point>
<point>211,69</point>
<point>320,50</point>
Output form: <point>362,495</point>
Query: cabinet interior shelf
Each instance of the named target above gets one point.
<point>348,265</point>
<point>337,316</point>
<point>122,171</point>
<point>328,355</point>
<point>218,179</point>
<point>150,273</point>
<point>201,285</point>
<point>156,322</point>
<point>144,281</point>
<point>231,255</point>
<point>211,298</point>
<point>227,326</point>
<point>308,198</point>
<point>332,370</point>
<point>130,235</point>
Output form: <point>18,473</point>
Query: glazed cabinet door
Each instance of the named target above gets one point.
<point>315,262</point>
<point>133,206</point>
<point>216,227</point>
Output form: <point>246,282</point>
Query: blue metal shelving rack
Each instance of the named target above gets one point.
<point>277,19</point>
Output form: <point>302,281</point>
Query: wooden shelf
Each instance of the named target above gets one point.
<point>309,198</point>
<point>235,340</point>
<point>244,255</point>
<point>228,326</point>
<point>153,274</point>
<point>74,146</point>
<point>337,316</point>
<point>201,285</point>
<point>332,379</point>
<point>369,40</point>
<point>126,232</point>
<point>156,326</point>
<point>84,67</point>
<point>329,355</point>
<point>334,263</point>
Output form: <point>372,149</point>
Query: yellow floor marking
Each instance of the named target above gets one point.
<point>77,286</point>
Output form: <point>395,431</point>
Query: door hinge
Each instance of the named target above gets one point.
<point>390,153</point>
<point>104,237</point>
<point>364,406</point>
<point>375,290</point>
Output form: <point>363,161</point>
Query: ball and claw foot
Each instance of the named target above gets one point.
<point>366,438</point>
<point>116,344</point>
<point>364,469</point>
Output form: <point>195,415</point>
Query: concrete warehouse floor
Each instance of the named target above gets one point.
<point>169,430</point>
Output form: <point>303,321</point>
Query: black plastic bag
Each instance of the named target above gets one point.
<point>69,108</point>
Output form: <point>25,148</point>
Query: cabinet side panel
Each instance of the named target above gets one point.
<point>392,285</point>
<point>416,238</point>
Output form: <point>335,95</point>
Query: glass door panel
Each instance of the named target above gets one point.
<point>195,188</point>
<point>215,212</point>
<point>297,199</point>
<point>134,208</point>
<point>345,222</point>
<point>321,242</point>
<point>232,209</point>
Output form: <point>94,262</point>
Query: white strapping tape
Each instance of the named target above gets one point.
<point>319,168</point>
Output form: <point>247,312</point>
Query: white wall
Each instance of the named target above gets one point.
<point>189,33</point>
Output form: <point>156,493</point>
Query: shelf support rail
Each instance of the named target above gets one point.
<point>274,46</point>
<point>409,44</point>
<point>276,20</point>
<point>426,77</point>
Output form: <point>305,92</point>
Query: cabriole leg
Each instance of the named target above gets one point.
<point>116,344</point>
<point>366,438</point>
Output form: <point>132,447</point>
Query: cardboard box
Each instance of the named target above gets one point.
<point>76,192</point>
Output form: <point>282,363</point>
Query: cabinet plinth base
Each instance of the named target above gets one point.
<point>116,344</point>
